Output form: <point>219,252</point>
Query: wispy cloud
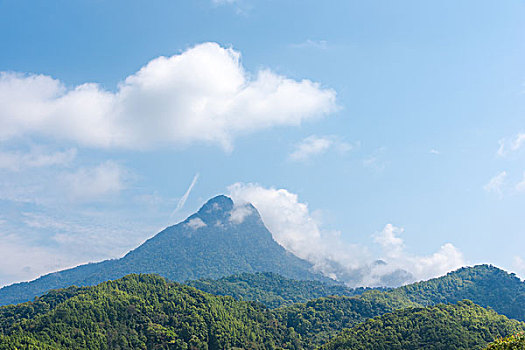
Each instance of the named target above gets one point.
<point>317,145</point>
<point>520,186</point>
<point>496,184</point>
<point>435,151</point>
<point>311,44</point>
<point>376,161</point>
<point>96,183</point>
<point>511,145</point>
<point>185,196</point>
<point>37,157</point>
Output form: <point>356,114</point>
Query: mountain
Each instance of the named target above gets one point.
<point>141,312</point>
<point>221,239</point>
<point>459,326</point>
<point>485,285</point>
<point>271,289</point>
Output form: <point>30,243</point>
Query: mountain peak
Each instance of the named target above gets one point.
<point>220,203</point>
<point>221,239</point>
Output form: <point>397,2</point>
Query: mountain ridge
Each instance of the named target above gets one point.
<point>220,239</point>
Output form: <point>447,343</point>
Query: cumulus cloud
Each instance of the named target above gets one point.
<point>389,240</point>
<point>446,259</point>
<point>35,158</point>
<point>316,145</point>
<point>495,185</point>
<point>87,184</point>
<point>293,226</point>
<point>201,95</point>
<point>508,146</point>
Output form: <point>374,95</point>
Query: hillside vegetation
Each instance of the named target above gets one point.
<point>460,326</point>
<point>141,312</point>
<point>512,342</point>
<point>271,289</point>
<point>485,285</point>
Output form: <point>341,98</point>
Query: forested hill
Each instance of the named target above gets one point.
<point>485,285</point>
<point>147,312</point>
<point>321,319</point>
<point>271,289</point>
<point>219,240</point>
<point>444,327</point>
<point>141,312</point>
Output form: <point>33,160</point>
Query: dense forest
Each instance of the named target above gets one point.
<point>460,326</point>
<point>485,285</point>
<point>271,289</point>
<point>148,312</point>
<point>141,312</point>
<point>321,319</point>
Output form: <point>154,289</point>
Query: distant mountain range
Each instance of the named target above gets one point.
<point>221,239</point>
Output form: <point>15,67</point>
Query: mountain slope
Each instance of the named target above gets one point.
<point>321,319</point>
<point>271,289</point>
<point>460,326</point>
<point>219,240</point>
<point>485,285</point>
<point>142,312</point>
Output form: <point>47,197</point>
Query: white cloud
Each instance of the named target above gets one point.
<point>293,226</point>
<point>37,157</point>
<point>507,146</point>
<point>196,223</point>
<point>495,185</point>
<point>389,241</point>
<point>201,95</point>
<point>316,145</point>
<point>446,259</point>
<point>96,183</point>
<point>435,151</point>
<point>240,212</point>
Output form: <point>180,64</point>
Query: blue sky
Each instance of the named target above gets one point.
<point>401,126</point>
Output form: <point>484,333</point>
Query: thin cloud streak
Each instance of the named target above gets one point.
<point>184,197</point>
